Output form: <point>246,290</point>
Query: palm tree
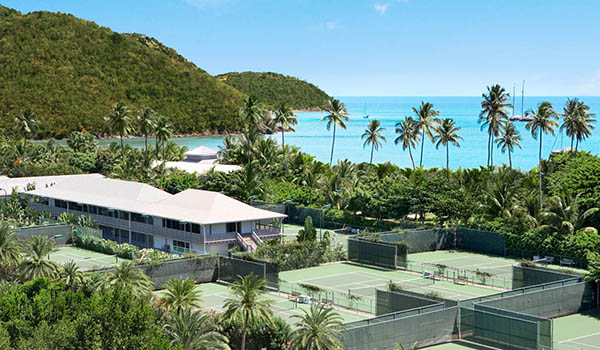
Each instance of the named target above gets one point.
<point>408,135</point>
<point>180,294</point>
<point>543,122</point>
<point>446,134</point>
<point>145,124</point>
<point>71,275</point>
<point>577,121</point>
<point>36,263</point>
<point>194,330</point>
<point>285,119</point>
<point>10,246</point>
<point>508,140</point>
<point>247,303</point>
<point>26,123</point>
<point>319,328</point>
<point>126,275</point>
<point>427,122</point>
<point>338,116</point>
<point>252,116</point>
<point>585,127</point>
<point>493,115</point>
<point>564,215</point>
<point>373,136</point>
<point>163,132</point>
<point>120,121</point>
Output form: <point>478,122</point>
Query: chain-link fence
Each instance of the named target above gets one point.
<point>372,253</point>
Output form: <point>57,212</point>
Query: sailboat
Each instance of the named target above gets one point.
<point>366,116</point>
<point>522,117</point>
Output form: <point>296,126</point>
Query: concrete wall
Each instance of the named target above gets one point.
<point>217,248</point>
<point>248,226</point>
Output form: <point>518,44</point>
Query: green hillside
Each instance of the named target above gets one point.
<point>273,89</point>
<point>71,71</point>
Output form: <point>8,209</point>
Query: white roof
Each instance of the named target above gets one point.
<point>201,151</point>
<point>200,167</point>
<point>104,192</point>
<point>206,207</point>
<point>20,183</point>
<point>201,207</point>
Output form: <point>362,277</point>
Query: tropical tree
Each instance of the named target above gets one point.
<point>577,121</point>
<point>163,132</point>
<point>319,328</point>
<point>126,275</point>
<point>10,246</point>
<point>26,123</point>
<point>446,133</point>
<point>408,135</point>
<point>194,330</point>
<point>564,215</point>
<point>146,124</point>
<point>180,294</point>
<point>427,121</point>
<point>70,274</point>
<point>248,303</point>
<point>285,119</point>
<point>543,122</point>
<point>252,116</point>
<point>36,262</point>
<point>119,121</point>
<point>338,116</point>
<point>493,116</point>
<point>373,136</point>
<point>508,140</point>
<point>594,273</point>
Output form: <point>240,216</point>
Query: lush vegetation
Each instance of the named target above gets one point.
<point>69,72</point>
<point>275,89</point>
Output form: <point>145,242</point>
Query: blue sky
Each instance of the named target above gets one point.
<point>372,48</point>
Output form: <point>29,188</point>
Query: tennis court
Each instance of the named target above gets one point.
<point>353,279</point>
<point>214,294</point>
<point>577,332</point>
<point>85,259</point>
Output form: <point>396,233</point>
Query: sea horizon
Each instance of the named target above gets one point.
<point>313,138</point>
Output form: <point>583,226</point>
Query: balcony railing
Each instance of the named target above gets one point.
<point>268,231</point>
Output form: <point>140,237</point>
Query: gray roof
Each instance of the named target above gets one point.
<point>201,151</point>
<point>20,183</point>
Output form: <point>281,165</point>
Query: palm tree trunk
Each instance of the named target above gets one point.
<point>493,141</point>
<point>576,145</point>
<point>447,161</point>
<point>540,169</point>
<point>488,148</point>
<point>332,145</point>
<point>146,145</point>
<point>372,147</point>
<point>282,140</point>
<point>411,157</point>
<point>122,149</point>
<point>422,144</point>
<point>244,331</point>
<point>509,159</point>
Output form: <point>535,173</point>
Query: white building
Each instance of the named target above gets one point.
<point>199,160</point>
<point>147,217</point>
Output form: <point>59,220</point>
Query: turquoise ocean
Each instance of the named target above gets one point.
<point>313,137</point>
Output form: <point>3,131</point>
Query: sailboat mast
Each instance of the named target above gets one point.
<point>522,97</point>
<point>513,104</point>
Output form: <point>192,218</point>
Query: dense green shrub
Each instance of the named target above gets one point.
<point>297,255</point>
<point>260,335</point>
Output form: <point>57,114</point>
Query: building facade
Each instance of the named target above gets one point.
<point>136,213</point>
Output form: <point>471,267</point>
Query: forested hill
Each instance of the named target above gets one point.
<point>273,89</point>
<point>71,71</point>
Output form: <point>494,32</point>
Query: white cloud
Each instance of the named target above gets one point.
<point>331,24</point>
<point>381,8</point>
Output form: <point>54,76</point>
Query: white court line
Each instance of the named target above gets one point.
<point>585,345</point>
<point>438,260</point>
<point>320,278</point>
<point>582,337</point>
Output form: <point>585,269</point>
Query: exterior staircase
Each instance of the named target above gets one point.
<point>250,244</point>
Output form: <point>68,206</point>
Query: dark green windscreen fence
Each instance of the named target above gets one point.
<point>230,270</point>
<point>501,331</point>
<point>480,241</point>
<point>389,302</point>
<point>372,253</point>
<point>421,240</point>
<point>425,329</point>
<point>527,276</point>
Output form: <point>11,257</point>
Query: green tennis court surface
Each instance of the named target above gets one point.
<point>346,278</point>
<point>214,295</point>
<point>85,259</point>
<point>578,332</point>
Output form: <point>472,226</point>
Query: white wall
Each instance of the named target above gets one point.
<point>216,229</point>
<point>248,226</point>
<point>220,248</point>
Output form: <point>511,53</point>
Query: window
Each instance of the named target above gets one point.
<point>232,227</point>
<point>138,237</point>
<point>180,245</point>
<point>196,228</point>
<point>75,206</point>
<point>60,203</point>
